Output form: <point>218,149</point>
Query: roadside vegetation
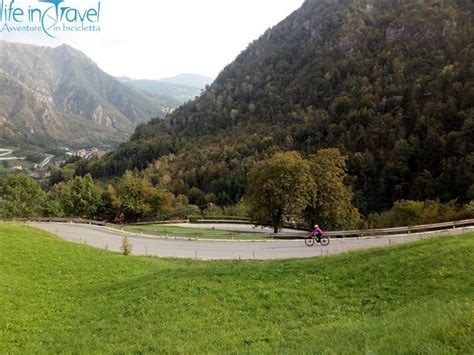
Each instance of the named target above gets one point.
<point>63,297</point>
<point>287,188</point>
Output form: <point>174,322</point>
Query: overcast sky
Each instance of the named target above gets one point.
<point>159,38</point>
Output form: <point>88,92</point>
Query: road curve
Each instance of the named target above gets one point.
<point>4,155</point>
<point>5,152</point>
<point>103,238</point>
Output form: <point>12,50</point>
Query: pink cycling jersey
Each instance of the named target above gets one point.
<point>317,231</point>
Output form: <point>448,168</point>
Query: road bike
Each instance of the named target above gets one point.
<point>311,240</point>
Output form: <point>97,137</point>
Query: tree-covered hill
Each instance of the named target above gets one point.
<point>389,82</point>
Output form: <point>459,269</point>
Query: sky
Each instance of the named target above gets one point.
<point>152,39</point>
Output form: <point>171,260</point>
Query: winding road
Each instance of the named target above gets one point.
<point>104,238</point>
<point>4,155</point>
<point>5,152</point>
<point>45,162</point>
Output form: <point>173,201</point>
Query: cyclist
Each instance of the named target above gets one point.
<point>317,232</point>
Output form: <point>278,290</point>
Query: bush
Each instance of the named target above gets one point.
<point>194,219</point>
<point>239,210</point>
<point>213,210</point>
<point>410,213</point>
<point>126,246</point>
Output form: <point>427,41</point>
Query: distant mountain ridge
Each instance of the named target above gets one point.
<point>188,79</point>
<point>177,94</point>
<point>59,95</point>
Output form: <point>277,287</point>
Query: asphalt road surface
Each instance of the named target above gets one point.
<point>4,155</point>
<point>103,238</point>
<point>4,152</point>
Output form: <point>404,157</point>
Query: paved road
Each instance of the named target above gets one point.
<point>46,161</point>
<point>4,155</point>
<point>103,238</point>
<point>4,152</point>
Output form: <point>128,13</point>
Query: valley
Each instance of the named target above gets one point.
<point>315,196</point>
<point>38,163</point>
<point>58,95</point>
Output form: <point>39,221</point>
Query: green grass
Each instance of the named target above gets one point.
<point>194,233</point>
<point>173,229</point>
<point>62,297</point>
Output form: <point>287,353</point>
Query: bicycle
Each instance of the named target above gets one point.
<point>311,240</point>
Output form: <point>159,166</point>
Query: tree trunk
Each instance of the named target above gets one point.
<point>277,220</point>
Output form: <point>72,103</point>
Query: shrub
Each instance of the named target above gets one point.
<point>126,246</point>
<point>410,213</point>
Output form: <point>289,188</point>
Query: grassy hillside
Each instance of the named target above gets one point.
<point>61,297</point>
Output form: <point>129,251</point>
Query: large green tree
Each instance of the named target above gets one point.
<point>280,189</point>
<point>137,198</point>
<point>21,197</point>
<point>80,197</point>
<point>332,207</point>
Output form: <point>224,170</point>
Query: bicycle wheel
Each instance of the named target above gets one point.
<point>325,241</point>
<point>309,241</point>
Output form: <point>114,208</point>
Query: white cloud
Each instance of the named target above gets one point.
<point>153,39</point>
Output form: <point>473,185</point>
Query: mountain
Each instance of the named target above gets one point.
<point>193,80</point>
<point>58,95</point>
<point>176,94</point>
<point>388,82</point>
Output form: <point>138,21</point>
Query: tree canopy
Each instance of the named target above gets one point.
<point>21,196</point>
<point>332,206</point>
<point>280,189</point>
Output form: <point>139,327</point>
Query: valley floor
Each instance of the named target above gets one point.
<point>62,297</point>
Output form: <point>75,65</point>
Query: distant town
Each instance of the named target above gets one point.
<point>42,169</point>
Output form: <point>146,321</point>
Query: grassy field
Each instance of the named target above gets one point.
<point>62,297</point>
<point>195,233</point>
<point>174,229</point>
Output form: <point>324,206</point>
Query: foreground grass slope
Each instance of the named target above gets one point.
<point>61,297</point>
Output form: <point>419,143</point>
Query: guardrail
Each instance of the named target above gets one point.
<point>360,233</point>
<point>197,221</point>
<point>58,220</point>
<point>177,221</point>
<point>336,234</point>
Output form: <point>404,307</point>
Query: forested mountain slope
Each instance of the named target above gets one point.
<point>389,82</point>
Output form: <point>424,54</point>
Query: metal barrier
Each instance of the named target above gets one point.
<point>360,233</point>
<point>336,234</point>
<point>198,221</point>
<point>59,220</point>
